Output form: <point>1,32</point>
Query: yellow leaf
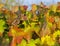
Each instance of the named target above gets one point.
<point>42,40</point>
<point>1,5</point>
<point>34,7</point>
<point>53,8</point>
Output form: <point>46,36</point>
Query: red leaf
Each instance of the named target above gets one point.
<point>25,7</point>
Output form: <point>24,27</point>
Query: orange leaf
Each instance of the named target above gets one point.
<point>51,19</point>
<point>19,39</point>
<point>16,28</point>
<point>9,34</point>
<point>0,34</point>
<point>27,37</point>
<point>13,43</point>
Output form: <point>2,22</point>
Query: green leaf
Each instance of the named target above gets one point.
<point>37,40</point>
<point>21,26</point>
<point>2,23</point>
<point>23,43</point>
<point>31,43</point>
<point>57,14</point>
<point>51,13</point>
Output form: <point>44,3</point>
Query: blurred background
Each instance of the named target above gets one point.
<point>29,2</point>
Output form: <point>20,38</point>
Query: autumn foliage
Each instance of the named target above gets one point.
<point>38,27</point>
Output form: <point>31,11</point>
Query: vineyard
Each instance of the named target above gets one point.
<point>38,27</point>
